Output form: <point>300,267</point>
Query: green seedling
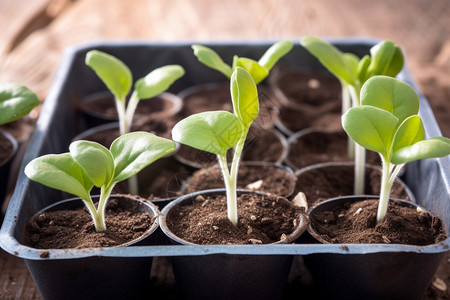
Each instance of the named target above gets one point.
<point>218,131</point>
<point>387,123</point>
<point>118,79</point>
<point>385,59</point>
<point>90,164</point>
<point>259,70</point>
<point>16,101</point>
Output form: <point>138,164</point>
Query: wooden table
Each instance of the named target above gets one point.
<point>35,32</point>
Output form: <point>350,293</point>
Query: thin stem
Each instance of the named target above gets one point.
<point>346,104</point>
<point>394,172</point>
<point>230,187</point>
<point>131,108</point>
<point>92,210</point>
<point>354,93</point>
<point>99,220</point>
<point>360,169</point>
<point>120,106</point>
<point>386,185</point>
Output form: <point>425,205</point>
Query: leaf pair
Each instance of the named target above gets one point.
<point>90,163</point>
<point>385,59</point>
<point>16,101</point>
<point>387,123</point>
<point>259,70</point>
<point>218,131</point>
<point>118,78</point>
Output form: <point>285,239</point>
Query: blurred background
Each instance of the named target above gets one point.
<point>34,33</point>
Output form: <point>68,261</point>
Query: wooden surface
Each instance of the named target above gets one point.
<point>33,34</point>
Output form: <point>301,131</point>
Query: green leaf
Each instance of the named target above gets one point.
<point>134,151</point>
<point>430,148</point>
<point>387,59</point>
<point>257,72</point>
<point>112,71</point>
<point>331,57</point>
<point>158,81</point>
<point>408,133</point>
<point>396,64</point>
<point>352,62</point>
<point>275,53</point>
<point>244,95</point>
<point>16,101</point>
<point>95,160</point>
<point>362,68</point>
<point>211,131</point>
<point>371,127</point>
<point>211,59</point>
<point>392,95</point>
<point>60,171</point>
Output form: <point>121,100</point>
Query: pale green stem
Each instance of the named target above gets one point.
<point>386,185</point>
<point>394,173</point>
<point>360,169</point>
<point>230,187</point>
<point>346,104</point>
<point>120,106</point>
<point>99,219</point>
<point>131,108</point>
<point>360,152</point>
<point>91,208</point>
<point>133,186</point>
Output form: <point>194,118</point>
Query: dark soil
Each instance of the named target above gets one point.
<point>5,148</point>
<point>166,183</point>
<point>103,105</point>
<point>159,126</point>
<point>261,145</point>
<point>274,179</point>
<point>64,229</point>
<point>356,223</point>
<point>21,129</point>
<point>308,100</point>
<point>218,97</point>
<point>323,146</point>
<point>262,219</point>
<point>332,181</point>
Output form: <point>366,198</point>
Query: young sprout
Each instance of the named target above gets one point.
<point>387,123</point>
<point>16,101</point>
<point>118,79</point>
<point>89,163</point>
<point>218,131</point>
<point>385,59</point>
<point>259,70</point>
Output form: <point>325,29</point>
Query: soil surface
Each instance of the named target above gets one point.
<point>166,183</point>
<point>356,223</point>
<point>5,148</point>
<point>159,126</point>
<point>21,129</point>
<point>323,146</point>
<point>332,181</point>
<point>64,229</point>
<point>103,105</point>
<point>262,220</point>
<point>218,97</point>
<point>260,145</point>
<point>308,100</point>
<point>263,178</point>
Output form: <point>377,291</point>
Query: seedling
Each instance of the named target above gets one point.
<point>259,70</point>
<point>118,79</point>
<point>16,101</point>
<point>387,123</point>
<point>385,59</point>
<point>90,164</point>
<point>218,131</point>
